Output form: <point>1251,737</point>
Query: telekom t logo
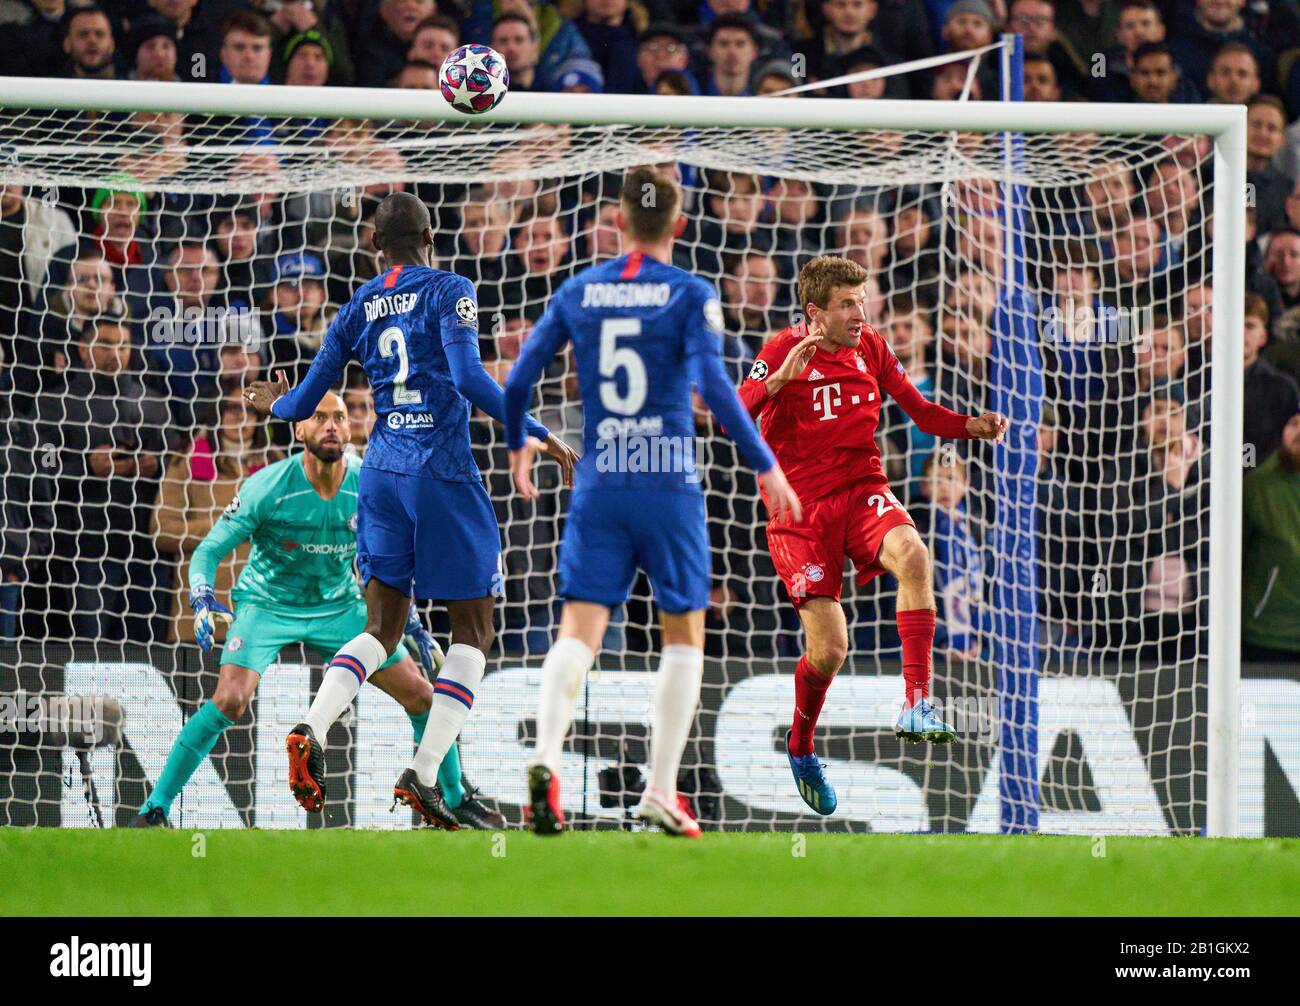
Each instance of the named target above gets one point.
<point>825,398</point>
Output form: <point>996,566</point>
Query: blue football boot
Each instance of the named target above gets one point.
<point>817,793</point>
<point>922,723</point>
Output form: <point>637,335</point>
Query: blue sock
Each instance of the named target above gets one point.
<point>449,770</point>
<point>196,739</point>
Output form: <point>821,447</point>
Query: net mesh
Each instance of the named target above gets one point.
<point>153,263</point>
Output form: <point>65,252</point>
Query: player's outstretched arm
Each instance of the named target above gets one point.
<point>710,378</point>
<point>543,343</point>
<point>276,398</point>
<point>261,395</point>
<point>934,419</point>
<point>714,386</point>
<point>476,384</point>
<point>989,426</point>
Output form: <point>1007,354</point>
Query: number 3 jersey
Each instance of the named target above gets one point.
<point>822,424</point>
<point>397,326</point>
<point>634,323</point>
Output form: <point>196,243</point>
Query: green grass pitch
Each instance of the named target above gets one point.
<point>341,872</point>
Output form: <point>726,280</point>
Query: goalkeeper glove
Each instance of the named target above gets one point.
<point>418,638</point>
<point>207,609</point>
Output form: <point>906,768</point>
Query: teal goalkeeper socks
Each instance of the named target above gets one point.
<point>417,724</point>
<point>449,770</point>
<point>449,777</point>
<point>196,739</point>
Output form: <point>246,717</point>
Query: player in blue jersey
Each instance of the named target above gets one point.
<point>425,524</point>
<point>642,332</point>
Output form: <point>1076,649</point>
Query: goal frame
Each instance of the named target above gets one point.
<point>1224,125</point>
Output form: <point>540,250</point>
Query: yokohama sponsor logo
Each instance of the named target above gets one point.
<point>315,549</point>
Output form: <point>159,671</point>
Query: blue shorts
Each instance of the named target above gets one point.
<point>432,539</point>
<point>610,533</point>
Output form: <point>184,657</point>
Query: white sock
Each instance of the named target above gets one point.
<point>355,662</point>
<point>453,697</point>
<point>677,693</point>
<point>568,660</point>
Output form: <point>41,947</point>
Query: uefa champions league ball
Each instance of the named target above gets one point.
<point>474,78</point>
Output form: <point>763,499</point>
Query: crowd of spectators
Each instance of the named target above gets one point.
<point>131,314</point>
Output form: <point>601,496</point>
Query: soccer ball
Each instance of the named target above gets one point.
<point>474,78</point>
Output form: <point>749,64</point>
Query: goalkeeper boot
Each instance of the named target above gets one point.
<point>474,813</point>
<point>427,801</point>
<point>673,815</point>
<point>306,768</point>
<point>922,722</point>
<point>810,778</point>
<point>542,813</point>
<point>151,818</point>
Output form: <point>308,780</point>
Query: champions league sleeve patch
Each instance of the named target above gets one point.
<point>467,310</point>
<point>232,507</point>
<point>758,372</point>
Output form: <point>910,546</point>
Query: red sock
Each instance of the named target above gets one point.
<point>809,695</point>
<point>916,630</point>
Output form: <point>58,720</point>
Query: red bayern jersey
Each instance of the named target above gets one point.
<point>822,425</point>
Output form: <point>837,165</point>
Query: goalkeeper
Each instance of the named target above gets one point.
<point>297,587</point>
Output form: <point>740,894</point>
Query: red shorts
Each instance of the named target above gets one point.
<point>809,556</point>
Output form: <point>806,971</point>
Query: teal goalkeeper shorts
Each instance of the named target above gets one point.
<point>256,636</point>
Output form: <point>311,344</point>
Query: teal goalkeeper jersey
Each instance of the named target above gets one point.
<point>304,547</point>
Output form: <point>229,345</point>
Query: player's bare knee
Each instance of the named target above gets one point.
<point>389,636</point>
<point>420,699</point>
<point>480,635</point>
<point>828,655</point>
<point>231,702</point>
<point>913,563</point>
<point>472,624</point>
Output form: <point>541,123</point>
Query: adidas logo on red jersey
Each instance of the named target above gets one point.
<point>816,375</point>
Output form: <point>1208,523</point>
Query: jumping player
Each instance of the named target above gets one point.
<point>425,524</point>
<point>643,331</point>
<point>816,389</point>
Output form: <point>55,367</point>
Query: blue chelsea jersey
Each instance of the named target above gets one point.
<point>634,323</point>
<point>397,325</point>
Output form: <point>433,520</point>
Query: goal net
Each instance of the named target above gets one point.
<point>154,261</point>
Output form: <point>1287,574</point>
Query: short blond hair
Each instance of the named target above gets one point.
<point>822,275</point>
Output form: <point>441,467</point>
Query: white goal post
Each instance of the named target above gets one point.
<point>54,160</point>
